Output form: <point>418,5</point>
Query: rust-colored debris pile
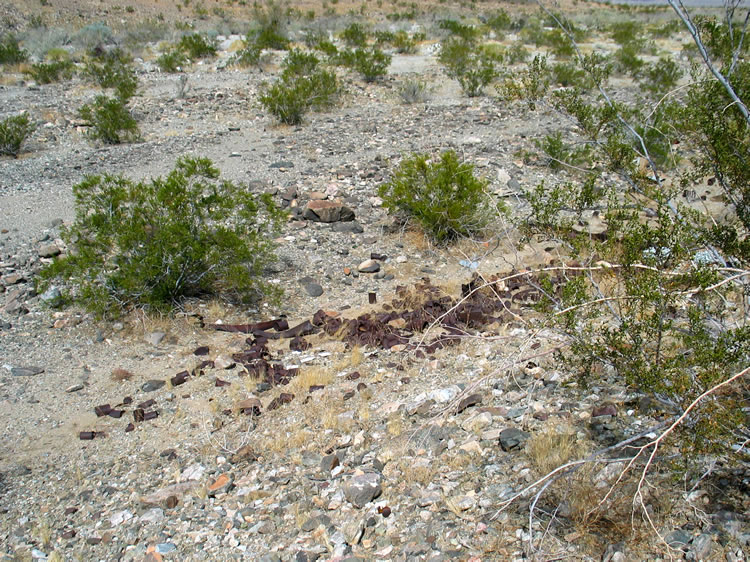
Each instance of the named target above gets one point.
<point>483,303</point>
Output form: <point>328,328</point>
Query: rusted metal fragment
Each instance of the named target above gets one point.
<point>102,410</point>
<point>279,325</point>
<point>299,344</point>
<point>179,378</point>
<point>283,398</point>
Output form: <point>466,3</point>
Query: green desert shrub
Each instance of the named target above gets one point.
<point>442,195</point>
<point>404,43</point>
<point>14,131</point>
<point>371,63</point>
<point>530,85</point>
<point>249,55</point>
<point>291,97</point>
<point>110,120</point>
<point>470,65</point>
<point>172,61</point>
<point>112,69</point>
<point>299,63</point>
<point>93,35</point>
<point>268,30</point>
<point>662,76</point>
<point>150,244</point>
<point>10,51</point>
<point>197,46</point>
<point>459,30</point>
<point>355,35</point>
<point>53,71</point>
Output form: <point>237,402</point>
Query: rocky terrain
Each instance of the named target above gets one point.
<point>362,421</point>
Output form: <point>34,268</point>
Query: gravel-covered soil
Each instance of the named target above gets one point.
<point>400,454</point>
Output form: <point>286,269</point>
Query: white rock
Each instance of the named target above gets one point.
<point>193,472</point>
<point>120,517</point>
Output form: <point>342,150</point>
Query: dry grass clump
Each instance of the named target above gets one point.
<point>553,447</point>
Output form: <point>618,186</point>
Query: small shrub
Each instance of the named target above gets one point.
<point>355,35</point>
<point>467,33</point>
<point>13,132</point>
<point>249,55</point>
<point>404,44</point>
<point>11,52</point>
<point>443,196</point>
<point>196,46</point>
<point>530,85</point>
<point>49,72</point>
<point>290,98</point>
<point>110,120</point>
<point>500,21</point>
<point>627,60</point>
<point>269,32</point>
<point>626,32</point>
<point>172,61</point>
<point>568,74</point>
<point>661,77</point>
<point>299,63</point>
<point>112,69</point>
<point>516,53</point>
<point>472,67</point>
<point>560,153</point>
<point>384,37</point>
<point>152,243</point>
<point>371,63</point>
<point>413,91</point>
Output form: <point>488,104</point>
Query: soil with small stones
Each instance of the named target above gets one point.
<point>334,446</point>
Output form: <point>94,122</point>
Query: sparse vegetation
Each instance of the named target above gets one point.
<point>472,67</point>
<point>10,50</point>
<point>53,71</point>
<point>442,195</point>
<point>13,133</point>
<point>152,243</point>
<point>110,120</point>
<point>112,69</point>
<point>413,90</point>
<point>301,87</point>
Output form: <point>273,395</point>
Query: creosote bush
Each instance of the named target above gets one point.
<point>196,46</point>
<point>302,86</point>
<point>53,71</point>
<point>474,68</point>
<point>442,195</point>
<point>150,244</point>
<point>10,51</point>
<point>112,69</point>
<point>110,120</point>
<point>666,318</point>
<point>13,132</point>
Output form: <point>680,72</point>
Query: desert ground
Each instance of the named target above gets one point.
<point>366,451</point>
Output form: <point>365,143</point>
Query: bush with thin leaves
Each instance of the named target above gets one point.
<point>292,96</point>
<point>53,71</point>
<point>197,46</point>
<point>110,120</point>
<point>112,69</point>
<point>14,131</point>
<point>442,195</point>
<point>474,68</point>
<point>10,51</point>
<point>150,244</point>
<point>172,61</point>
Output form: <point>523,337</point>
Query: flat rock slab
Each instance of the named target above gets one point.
<point>26,371</point>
